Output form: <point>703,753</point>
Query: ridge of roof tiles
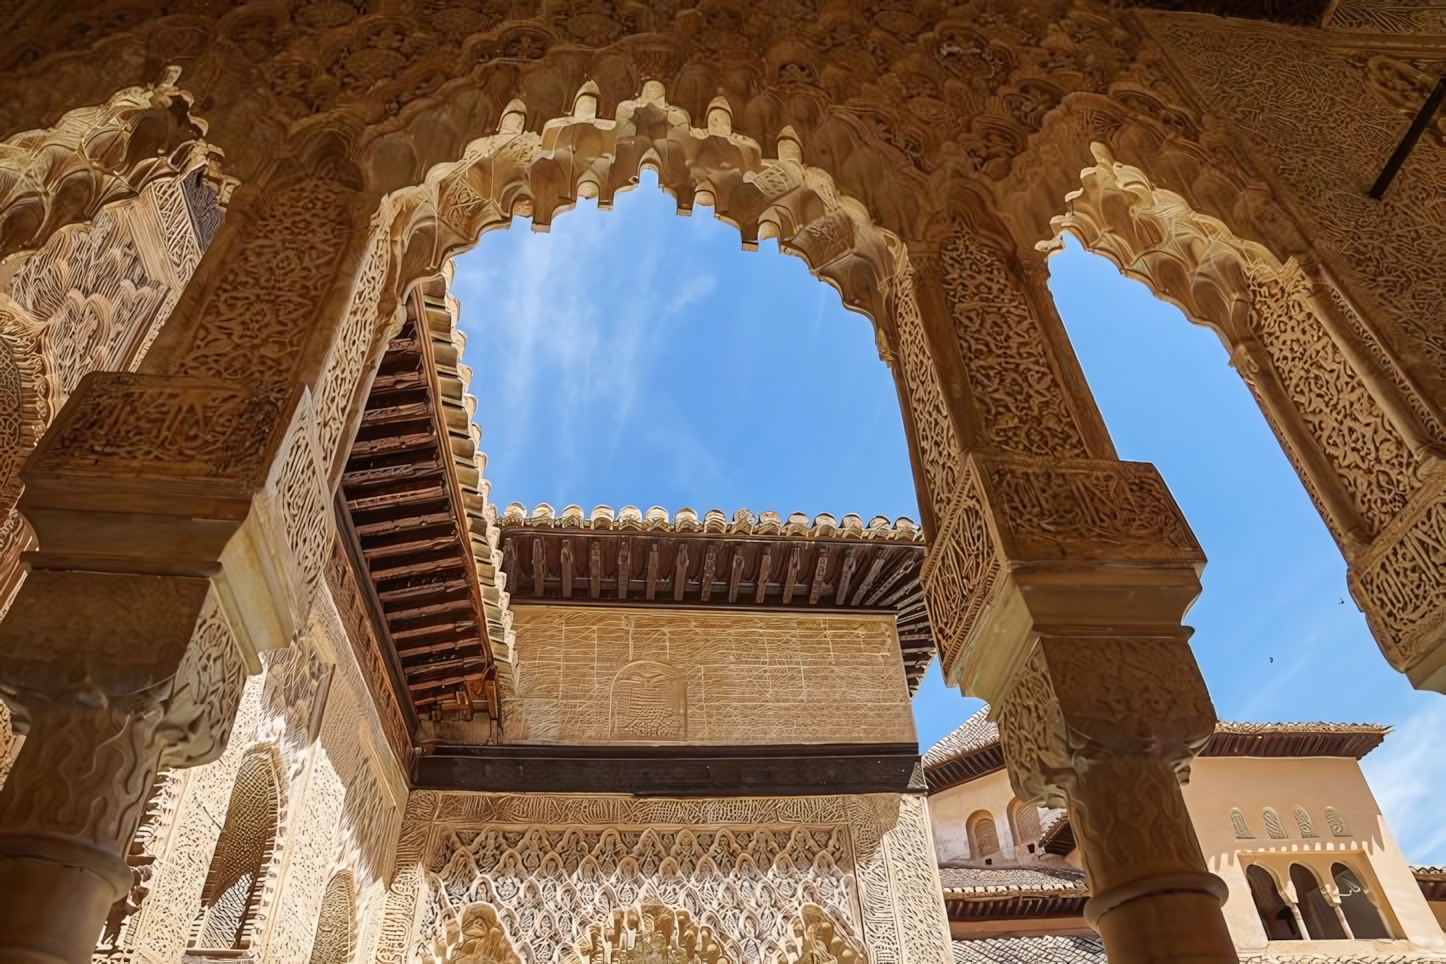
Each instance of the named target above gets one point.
<point>1429,870</point>
<point>1039,949</point>
<point>973,734</point>
<point>1225,726</point>
<point>744,522</point>
<point>977,733</point>
<point>972,881</point>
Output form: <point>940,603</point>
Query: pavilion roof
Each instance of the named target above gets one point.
<point>972,750</point>
<point>761,562</point>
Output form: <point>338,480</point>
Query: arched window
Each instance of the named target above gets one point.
<point>1275,914</point>
<point>1302,820</point>
<point>335,930</point>
<point>1361,914</point>
<point>238,867</point>
<point>1242,830</point>
<point>1272,824</point>
<point>1321,922</point>
<point>1024,823</point>
<point>1334,821</point>
<point>983,838</point>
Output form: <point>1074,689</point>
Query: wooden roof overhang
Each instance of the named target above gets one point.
<point>964,768</point>
<point>411,507</point>
<point>1432,881</point>
<point>1263,740</point>
<point>1013,904</point>
<point>749,564</point>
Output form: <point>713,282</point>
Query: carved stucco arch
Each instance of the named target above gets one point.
<point>582,155</point>
<point>1366,441</point>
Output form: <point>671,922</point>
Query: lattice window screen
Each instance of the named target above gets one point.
<point>1024,821</point>
<point>233,884</point>
<point>334,929</point>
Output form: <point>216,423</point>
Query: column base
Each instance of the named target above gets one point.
<point>58,892</point>
<point>1179,926</point>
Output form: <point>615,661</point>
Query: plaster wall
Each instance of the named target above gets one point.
<point>950,810</point>
<point>1220,784</point>
<point>614,675</point>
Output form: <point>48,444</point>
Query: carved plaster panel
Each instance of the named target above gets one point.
<point>553,871</point>
<point>588,676</point>
<point>1333,121</point>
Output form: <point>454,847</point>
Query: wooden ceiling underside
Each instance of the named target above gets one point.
<point>415,518</point>
<point>582,566</point>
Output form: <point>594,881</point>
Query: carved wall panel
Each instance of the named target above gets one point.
<point>357,627</point>
<point>602,675</point>
<point>553,871</point>
<point>1398,16</point>
<point>338,809</point>
<point>160,930</point>
<point>939,452</point>
<point>1331,125</point>
<point>1015,386</point>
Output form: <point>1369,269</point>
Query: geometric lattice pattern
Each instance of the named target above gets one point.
<point>335,929</point>
<point>233,884</point>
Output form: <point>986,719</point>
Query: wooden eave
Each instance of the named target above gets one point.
<point>584,566</point>
<point>962,769</point>
<point>411,504</point>
<point>1015,904</point>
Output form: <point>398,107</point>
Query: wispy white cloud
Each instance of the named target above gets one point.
<point>1407,775</point>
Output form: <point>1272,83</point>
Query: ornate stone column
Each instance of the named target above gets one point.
<point>181,515</point>
<point>1056,583</point>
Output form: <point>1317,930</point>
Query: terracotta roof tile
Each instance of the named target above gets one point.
<point>974,734</point>
<point>744,522</point>
<point>1030,950</point>
<point>1007,880</point>
<point>1230,739</point>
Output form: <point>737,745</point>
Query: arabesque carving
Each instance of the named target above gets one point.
<point>1365,441</point>
<point>913,157</point>
<point>771,880</point>
<point>91,157</point>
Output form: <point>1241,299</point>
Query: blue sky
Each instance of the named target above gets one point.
<point>637,357</point>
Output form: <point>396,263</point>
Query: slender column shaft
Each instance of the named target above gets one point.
<point>1056,586</point>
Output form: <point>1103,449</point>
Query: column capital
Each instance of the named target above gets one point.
<point>1054,546</point>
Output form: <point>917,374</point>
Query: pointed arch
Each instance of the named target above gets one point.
<point>983,836</point>
<point>1275,913</point>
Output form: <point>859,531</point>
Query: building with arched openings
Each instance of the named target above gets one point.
<point>244,511</point>
<point>1350,894</point>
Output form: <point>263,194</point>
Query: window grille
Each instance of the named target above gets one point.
<point>1272,825</point>
<point>335,932</point>
<point>1302,820</point>
<point>1242,830</point>
<point>234,882</point>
